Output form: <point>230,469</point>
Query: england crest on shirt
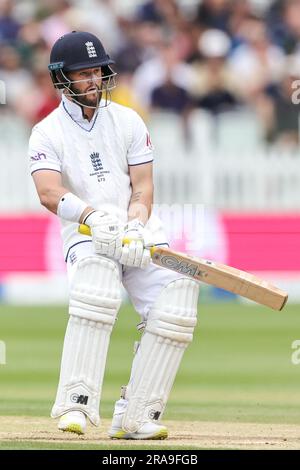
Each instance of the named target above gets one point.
<point>99,171</point>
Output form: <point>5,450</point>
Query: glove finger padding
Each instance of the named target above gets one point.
<point>136,252</point>
<point>115,249</point>
<point>107,240</point>
<point>124,255</point>
<point>135,255</point>
<point>146,258</point>
<point>136,249</point>
<point>132,254</point>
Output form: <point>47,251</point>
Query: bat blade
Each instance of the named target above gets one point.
<point>225,277</point>
<point>219,275</point>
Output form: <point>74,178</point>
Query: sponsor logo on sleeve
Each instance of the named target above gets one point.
<point>38,156</point>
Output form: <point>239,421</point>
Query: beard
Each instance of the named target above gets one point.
<point>91,99</point>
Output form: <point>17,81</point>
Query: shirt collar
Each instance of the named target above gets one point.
<point>75,112</point>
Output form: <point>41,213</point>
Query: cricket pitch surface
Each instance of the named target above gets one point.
<point>182,434</point>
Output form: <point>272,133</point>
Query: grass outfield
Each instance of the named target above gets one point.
<point>237,370</point>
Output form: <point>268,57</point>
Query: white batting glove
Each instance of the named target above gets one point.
<point>137,252</point>
<point>106,234</point>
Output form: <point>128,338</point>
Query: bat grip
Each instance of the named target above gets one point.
<point>85,230</point>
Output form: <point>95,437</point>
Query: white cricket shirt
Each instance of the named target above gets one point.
<point>93,157</point>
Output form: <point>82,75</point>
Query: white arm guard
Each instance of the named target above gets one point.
<point>70,207</point>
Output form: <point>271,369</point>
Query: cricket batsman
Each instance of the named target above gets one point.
<point>91,161</point>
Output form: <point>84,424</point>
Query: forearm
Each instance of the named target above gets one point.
<point>58,199</point>
<point>51,199</point>
<point>140,204</point>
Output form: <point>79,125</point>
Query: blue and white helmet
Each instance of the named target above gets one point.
<point>78,51</point>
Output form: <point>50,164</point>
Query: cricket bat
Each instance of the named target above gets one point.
<point>219,275</point>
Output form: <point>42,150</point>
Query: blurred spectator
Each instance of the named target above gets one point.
<point>187,37</point>
<point>9,26</point>
<point>101,18</point>
<point>63,19</point>
<point>16,78</point>
<point>215,84</point>
<point>165,12</point>
<point>214,14</point>
<point>31,43</point>
<point>284,113</point>
<point>233,53</point>
<point>140,44</point>
<point>153,73</point>
<point>170,97</point>
<point>284,24</point>
<point>40,98</point>
<point>257,63</point>
<point>124,94</point>
<point>48,96</point>
<point>241,10</point>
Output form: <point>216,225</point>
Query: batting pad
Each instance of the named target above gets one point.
<point>94,302</point>
<point>168,332</point>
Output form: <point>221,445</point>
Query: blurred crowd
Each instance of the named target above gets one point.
<point>215,55</point>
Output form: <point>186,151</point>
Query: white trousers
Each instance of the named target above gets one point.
<point>143,286</point>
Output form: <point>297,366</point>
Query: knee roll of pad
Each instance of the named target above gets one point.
<point>95,291</point>
<point>174,315</point>
<point>177,329</point>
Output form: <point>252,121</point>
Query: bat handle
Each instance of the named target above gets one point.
<point>85,230</point>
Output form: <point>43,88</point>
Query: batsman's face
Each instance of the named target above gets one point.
<point>88,85</point>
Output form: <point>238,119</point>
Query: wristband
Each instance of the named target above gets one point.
<point>93,217</point>
<point>134,224</point>
<point>70,207</point>
<point>85,218</point>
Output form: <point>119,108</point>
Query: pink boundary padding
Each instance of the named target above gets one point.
<point>264,242</point>
<point>22,243</point>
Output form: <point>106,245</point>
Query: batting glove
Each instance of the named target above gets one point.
<point>137,252</point>
<point>106,233</point>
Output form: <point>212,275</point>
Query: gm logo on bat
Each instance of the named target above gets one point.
<point>171,262</point>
